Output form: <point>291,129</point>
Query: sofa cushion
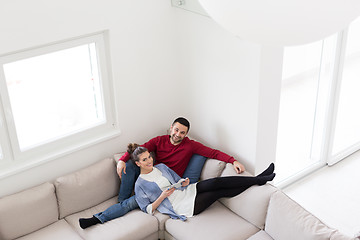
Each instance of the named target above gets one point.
<point>134,225</point>
<point>216,222</point>
<point>288,220</point>
<point>260,235</point>
<point>87,187</point>
<point>194,168</point>
<point>117,156</point>
<point>59,230</point>
<point>339,236</point>
<point>212,168</point>
<point>27,211</point>
<point>252,204</point>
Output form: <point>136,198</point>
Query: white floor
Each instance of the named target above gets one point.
<point>332,194</point>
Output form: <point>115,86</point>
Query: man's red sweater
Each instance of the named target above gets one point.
<point>178,156</point>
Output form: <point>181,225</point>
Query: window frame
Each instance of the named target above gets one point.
<point>12,154</point>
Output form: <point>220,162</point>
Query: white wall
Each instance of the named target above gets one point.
<point>269,88</point>
<point>165,62</point>
<point>222,75</point>
<point>143,62</point>
<point>234,87</point>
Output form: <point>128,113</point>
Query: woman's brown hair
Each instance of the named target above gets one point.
<point>135,150</point>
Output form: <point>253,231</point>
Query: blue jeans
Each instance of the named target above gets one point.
<point>117,210</point>
<point>127,202</point>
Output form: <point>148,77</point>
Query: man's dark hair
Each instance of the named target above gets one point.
<point>182,121</point>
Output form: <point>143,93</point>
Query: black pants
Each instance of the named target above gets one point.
<point>210,190</point>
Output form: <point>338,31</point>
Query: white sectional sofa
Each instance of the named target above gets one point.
<point>51,211</point>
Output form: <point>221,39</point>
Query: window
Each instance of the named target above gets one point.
<point>347,130</point>
<point>299,93</point>
<point>56,98</point>
<point>319,121</point>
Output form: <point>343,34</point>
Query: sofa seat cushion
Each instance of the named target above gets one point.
<point>260,235</point>
<point>27,211</point>
<point>87,187</point>
<point>288,220</point>
<point>59,230</point>
<point>252,204</point>
<point>216,222</point>
<point>134,225</point>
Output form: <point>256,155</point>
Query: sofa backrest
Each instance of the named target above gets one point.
<point>86,188</point>
<point>27,211</point>
<point>286,219</point>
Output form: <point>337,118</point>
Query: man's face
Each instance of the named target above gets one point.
<point>177,133</point>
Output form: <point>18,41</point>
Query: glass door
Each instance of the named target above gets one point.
<point>319,117</point>
<point>346,138</point>
<point>298,103</point>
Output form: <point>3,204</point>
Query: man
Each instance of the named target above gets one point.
<point>186,157</point>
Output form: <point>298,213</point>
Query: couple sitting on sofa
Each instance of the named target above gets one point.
<point>176,155</point>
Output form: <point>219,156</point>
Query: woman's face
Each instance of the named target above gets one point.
<point>145,162</point>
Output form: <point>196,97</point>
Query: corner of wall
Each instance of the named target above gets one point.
<point>268,106</point>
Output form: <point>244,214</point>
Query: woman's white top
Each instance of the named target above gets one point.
<point>182,201</point>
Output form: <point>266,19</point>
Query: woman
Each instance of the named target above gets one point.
<point>153,189</point>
